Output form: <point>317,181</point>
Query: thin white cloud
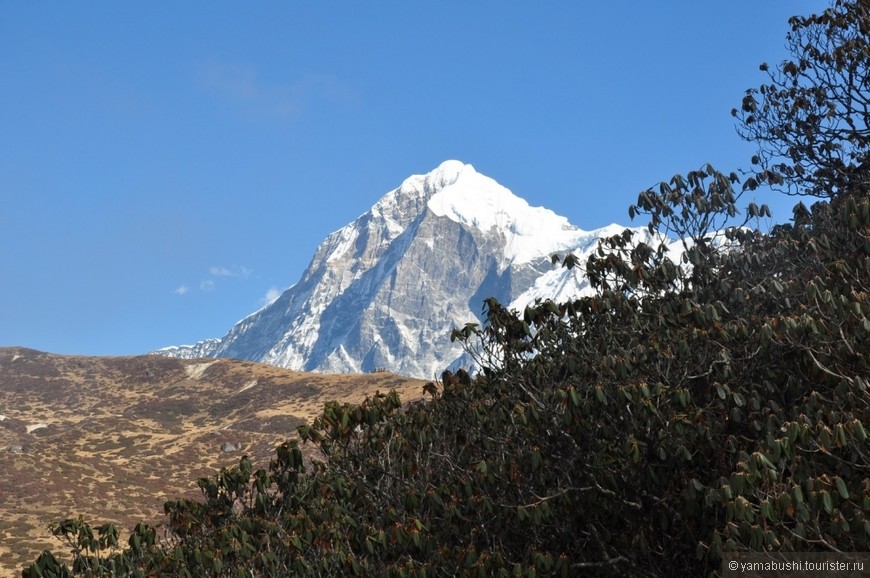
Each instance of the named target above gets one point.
<point>241,85</point>
<point>270,297</point>
<point>221,271</point>
<point>215,273</point>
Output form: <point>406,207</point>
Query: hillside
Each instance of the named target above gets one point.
<point>112,438</point>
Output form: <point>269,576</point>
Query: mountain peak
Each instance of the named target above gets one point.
<point>447,173</point>
<point>475,200</point>
<point>385,290</point>
<point>401,206</point>
<point>426,185</point>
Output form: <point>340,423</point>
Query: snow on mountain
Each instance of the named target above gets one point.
<point>478,201</point>
<point>198,350</point>
<point>386,290</point>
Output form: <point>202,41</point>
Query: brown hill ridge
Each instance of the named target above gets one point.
<point>112,438</point>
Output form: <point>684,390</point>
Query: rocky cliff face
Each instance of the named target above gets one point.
<point>386,290</point>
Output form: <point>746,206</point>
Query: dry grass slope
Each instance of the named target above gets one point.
<point>112,438</point>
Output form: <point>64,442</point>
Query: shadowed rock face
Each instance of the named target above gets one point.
<point>386,290</point>
<point>119,436</point>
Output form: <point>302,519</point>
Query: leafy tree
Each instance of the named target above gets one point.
<point>812,120</point>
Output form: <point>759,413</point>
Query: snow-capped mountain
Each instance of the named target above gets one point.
<point>386,290</point>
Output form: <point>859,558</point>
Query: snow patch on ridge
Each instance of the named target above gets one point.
<point>196,370</point>
<point>347,236</point>
<point>248,386</point>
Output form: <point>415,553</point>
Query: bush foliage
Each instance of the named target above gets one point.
<point>693,406</point>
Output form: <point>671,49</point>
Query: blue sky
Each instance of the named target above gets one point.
<point>165,167</point>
